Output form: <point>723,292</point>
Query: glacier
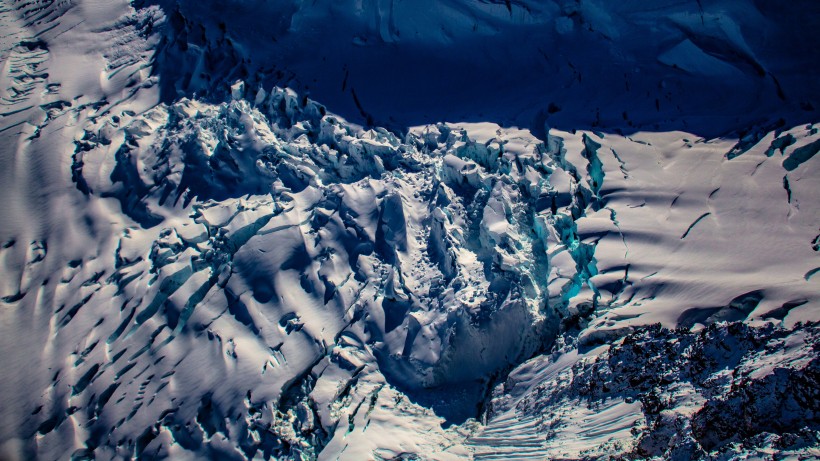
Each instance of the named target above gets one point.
<point>409,230</point>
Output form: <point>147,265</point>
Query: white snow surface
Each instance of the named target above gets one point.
<point>199,264</point>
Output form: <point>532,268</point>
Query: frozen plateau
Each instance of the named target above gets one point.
<point>409,230</point>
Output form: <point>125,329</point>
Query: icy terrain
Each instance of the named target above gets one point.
<point>409,230</point>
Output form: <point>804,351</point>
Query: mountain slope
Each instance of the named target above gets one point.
<point>197,263</point>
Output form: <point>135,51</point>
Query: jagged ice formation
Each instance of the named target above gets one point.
<point>200,261</point>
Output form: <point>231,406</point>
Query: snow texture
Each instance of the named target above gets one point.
<point>409,230</point>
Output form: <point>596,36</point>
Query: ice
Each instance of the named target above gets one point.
<point>383,230</point>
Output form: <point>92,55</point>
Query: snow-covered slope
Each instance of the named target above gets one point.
<point>702,66</point>
<point>200,261</point>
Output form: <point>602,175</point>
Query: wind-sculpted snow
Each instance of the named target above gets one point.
<point>198,264</point>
